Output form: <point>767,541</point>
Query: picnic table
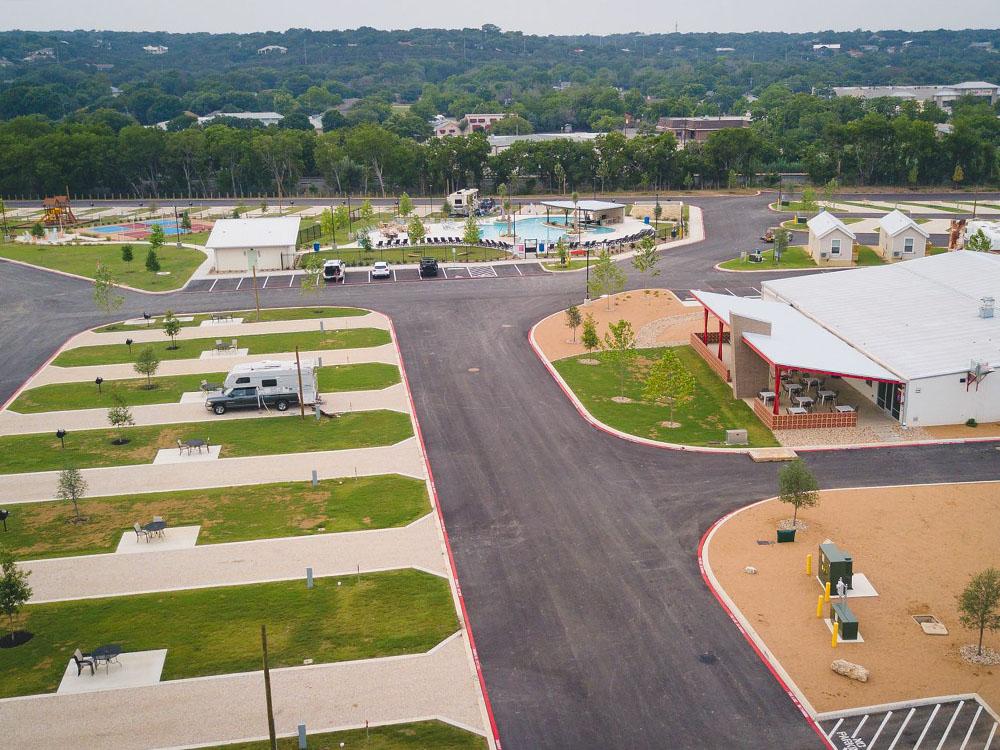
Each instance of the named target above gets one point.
<point>812,382</point>
<point>107,653</point>
<point>155,527</point>
<point>194,443</point>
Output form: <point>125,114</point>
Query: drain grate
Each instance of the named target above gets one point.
<point>708,658</point>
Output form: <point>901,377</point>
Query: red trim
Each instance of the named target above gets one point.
<point>767,662</point>
<point>706,324</point>
<point>777,387</point>
<point>720,338</point>
<point>447,542</point>
<point>786,365</point>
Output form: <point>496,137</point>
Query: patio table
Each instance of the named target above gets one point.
<point>826,395</point>
<point>804,401</point>
<point>796,410</point>
<point>766,396</point>
<point>107,653</point>
<point>844,409</point>
<point>812,382</point>
<point>155,527</point>
<point>194,443</point>
<point>793,388</point>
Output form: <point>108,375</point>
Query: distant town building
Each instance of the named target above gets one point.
<point>687,129</point>
<point>46,53</point>
<point>943,96</point>
<point>826,47</point>
<point>466,125</point>
<point>725,49</point>
<point>273,48</point>
<point>500,143</point>
<point>155,49</point>
<point>264,118</point>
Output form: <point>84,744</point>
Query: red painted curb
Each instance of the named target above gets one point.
<point>447,543</point>
<point>767,662</point>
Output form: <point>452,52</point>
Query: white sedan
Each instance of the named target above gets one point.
<point>380,270</point>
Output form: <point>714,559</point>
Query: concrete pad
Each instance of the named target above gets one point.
<point>174,537</point>
<point>214,323</point>
<point>139,669</point>
<point>193,397</point>
<point>829,626</point>
<point>174,456</point>
<point>762,455</point>
<point>225,354</point>
<point>862,587</point>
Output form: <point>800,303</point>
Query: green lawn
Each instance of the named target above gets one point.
<point>796,227</point>
<point>365,376</point>
<point>933,250</point>
<point>943,209</point>
<point>795,256</point>
<point>421,735</point>
<point>572,265</point>
<point>869,205</point>
<point>868,257</point>
<point>263,343</point>
<point>796,206</point>
<point>238,437</point>
<point>267,315</point>
<point>703,420</point>
<point>402,255</point>
<point>225,514</point>
<point>217,631</point>
<point>83,260</point>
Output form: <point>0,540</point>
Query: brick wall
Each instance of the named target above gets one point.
<point>710,356</point>
<point>812,420</point>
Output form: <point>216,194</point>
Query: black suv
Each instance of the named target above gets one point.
<point>246,397</point>
<point>428,267</point>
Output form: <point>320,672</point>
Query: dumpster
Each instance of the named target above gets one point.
<point>786,535</point>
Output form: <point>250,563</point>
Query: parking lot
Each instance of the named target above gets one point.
<point>363,276</point>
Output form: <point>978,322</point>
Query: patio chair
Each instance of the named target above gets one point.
<point>232,344</point>
<point>181,447</point>
<point>157,519</point>
<point>139,531</point>
<point>218,344</point>
<point>83,660</point>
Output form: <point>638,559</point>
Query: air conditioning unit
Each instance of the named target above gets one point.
<point>897,254</point>
<point>824,255</point>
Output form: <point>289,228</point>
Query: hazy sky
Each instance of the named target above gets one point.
<point>532,16</point>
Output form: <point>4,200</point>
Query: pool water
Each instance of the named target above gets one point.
<point>169,227</point>
<point>535,228</point>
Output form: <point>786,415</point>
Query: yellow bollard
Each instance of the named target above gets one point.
<point>826,592</point>
<point>819,606</point>
<point>833,640</point>
<point>809,564</point>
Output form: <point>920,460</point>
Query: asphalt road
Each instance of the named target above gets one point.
<point>576,551</point>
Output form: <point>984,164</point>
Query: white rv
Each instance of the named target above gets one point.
<point>275,377</point>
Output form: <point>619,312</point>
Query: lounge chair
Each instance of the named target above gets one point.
<point>83,660</point>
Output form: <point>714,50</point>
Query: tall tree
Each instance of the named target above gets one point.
<point>669,380</point>
<point>619,347</point>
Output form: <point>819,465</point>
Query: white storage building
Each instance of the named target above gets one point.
<point>274,241</point>
<point>901,238</point>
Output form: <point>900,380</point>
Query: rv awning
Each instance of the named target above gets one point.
<point>795,341</point>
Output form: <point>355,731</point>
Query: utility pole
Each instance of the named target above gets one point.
<point>267,691</point>
<point>298,366</point>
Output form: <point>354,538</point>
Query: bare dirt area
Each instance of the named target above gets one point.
<point>917,545</point>
<point>658,317</point>
<point>985,430</point>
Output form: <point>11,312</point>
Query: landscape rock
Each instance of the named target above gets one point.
<point>850,669</point>
<point>750,569</point>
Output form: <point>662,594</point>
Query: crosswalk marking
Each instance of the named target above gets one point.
<point>482,272</point>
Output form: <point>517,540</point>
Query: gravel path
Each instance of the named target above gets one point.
<point>88,576</point>
<point>228,708</point>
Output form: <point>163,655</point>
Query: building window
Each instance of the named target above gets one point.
<point>834,247</point>
<point>908,245</point>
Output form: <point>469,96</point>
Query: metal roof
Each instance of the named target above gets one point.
<point>583,205</point>
<point>896,221</point>
<point>919,318</point>
<point>242,233</point>
<point>795,340</point>
<point>824,222</point>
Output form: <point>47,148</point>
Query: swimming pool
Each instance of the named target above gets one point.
<point>535,228</point>
<point>169,227</point>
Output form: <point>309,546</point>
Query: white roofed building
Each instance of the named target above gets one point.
<point>591,211</point>
<point>901,238</point>
<point>272,242</point>
<point>831,243</point>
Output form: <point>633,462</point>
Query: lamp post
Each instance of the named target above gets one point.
<point>97,381</point>
<point>588,275</point>
<point>61,434</point>
<point>3,517</point>
<point>177,226</point>
<point>350,226</point>
<point>128,343</point>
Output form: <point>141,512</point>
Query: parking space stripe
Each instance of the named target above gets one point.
<point>291,280</point>
<point>835,728</point>
<point>860,724</point>
<point>444,271</point>
<point>989,740</point>
<point>213,285</point>
<point>881,726</point>
<point>240,283</point>
<point>369,277</point>
<point>902,727</point>
<point>266,279</point>
<point>393,274</point>
<point>947,729</point>
<point>972,726</point>
<point>518,270</point>
<point>927,726</point>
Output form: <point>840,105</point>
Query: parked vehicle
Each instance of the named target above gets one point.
<point>380,270</point>
<point>428,267</point>
<point>250,397</point>
<point>768,236</point>
<point>334,270</point>
<point>272,377</point>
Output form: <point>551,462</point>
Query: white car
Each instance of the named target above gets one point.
<point>380,270</point>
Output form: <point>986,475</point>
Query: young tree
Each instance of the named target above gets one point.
<point>781,239</point>
<point>978,242</point>
<point>505,203</point>
<point>657,213</point>
<point>979,604</point>
<point>186,221</point>
<point>589,338</point>
<point>606,277</point>
<point>958,176</point>
<point>327,222</point>
<point>809,200</point>
<point>645,259</point>
<point>470,235</point>
<point>797,487</point>
<point>156,237</point>
<point>415,230</point>
<point>341,218</point>
<point>562,252</point>
<point>72,486</point>
<point>669,380</point>
<point>147,363</point>
<point>120,417</point>
<point>37,230</point>
<point>171,327</point>
<point>152,262</point>
<point>367,213</point>
<point>127,255</point>
<point>829,188</point>
<point>14,589</point>
<point>365,241</point>
<point>106,295</point>
<point>573,319</point>
<point>405,205</point>
<point>312,282</point>
<point>446,208</point>
<point>619,344</point>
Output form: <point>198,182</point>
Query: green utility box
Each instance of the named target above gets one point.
<point>848,621</point>
<point>835,563</point>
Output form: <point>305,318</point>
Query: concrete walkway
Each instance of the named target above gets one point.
<point>231,330</point>
<point>402,458</point>
<point>54,374</point>
<point>90,576</point>
<point>11,423</point>
<point>228,708</point>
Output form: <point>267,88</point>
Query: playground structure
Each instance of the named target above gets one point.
<point>58,212</point>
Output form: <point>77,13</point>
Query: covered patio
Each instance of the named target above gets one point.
<point>790,369</point>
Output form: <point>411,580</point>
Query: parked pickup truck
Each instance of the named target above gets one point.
<point>249,398</point>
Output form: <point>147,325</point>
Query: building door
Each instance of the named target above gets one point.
<point>890,398</point>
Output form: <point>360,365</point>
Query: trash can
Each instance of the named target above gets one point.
<point>645,219</point>
<point>786,535</point>
<point>541,248</point>
<point>673,234</point>
<point>315,247</point>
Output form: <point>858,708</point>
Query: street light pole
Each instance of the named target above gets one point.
<point>588,275</point>
<point>177,227</point>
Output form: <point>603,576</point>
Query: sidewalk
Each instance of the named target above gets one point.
<point>228,708</point>
<point>111,574</point>
<point>402,458</point>
<point>12,423</point>
<point>385,353</point>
